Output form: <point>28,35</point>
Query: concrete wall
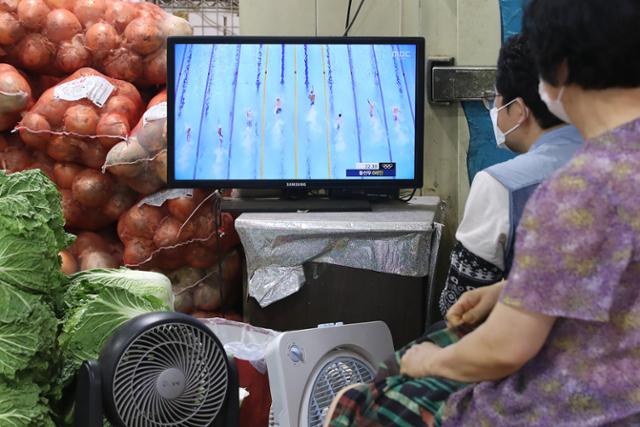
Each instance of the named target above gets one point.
<point>278,17</point>
<point>327,17</point>
<point>468,30</point>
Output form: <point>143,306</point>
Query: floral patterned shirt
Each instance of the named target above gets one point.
<point>577,257</point>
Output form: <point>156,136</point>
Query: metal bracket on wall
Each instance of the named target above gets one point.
<point>447,83</point>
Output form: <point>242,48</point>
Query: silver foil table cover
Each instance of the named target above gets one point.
<point>395,237</point>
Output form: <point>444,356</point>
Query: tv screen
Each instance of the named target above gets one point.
<point>316,112</point>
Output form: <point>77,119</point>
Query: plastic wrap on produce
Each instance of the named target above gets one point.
<point>395,239</point>
<point>242,340</point>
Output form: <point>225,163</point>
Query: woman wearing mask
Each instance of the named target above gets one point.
<point>561,344</point>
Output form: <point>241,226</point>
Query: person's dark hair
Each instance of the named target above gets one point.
<point>598,39</point>
<point>517,76</point>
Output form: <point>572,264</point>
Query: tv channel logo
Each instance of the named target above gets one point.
<point>401,54</point>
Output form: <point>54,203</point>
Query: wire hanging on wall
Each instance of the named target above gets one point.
<point>355,16</point>
<point>346,22</point>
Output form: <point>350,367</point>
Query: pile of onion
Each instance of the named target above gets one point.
<point>180,232</point>
<point>92,250</point>
<point>206,290</point>
<point>91,200</point>
<point>125,39</point>
<point>15,96</point>
<point>141,160</point>
<point>79,130</point>
<point>15,157</point>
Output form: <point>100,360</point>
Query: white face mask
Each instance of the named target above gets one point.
<point>501,137</point>
<point>555,106</point>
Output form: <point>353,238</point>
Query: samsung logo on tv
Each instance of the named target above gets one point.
<point>296,184</point>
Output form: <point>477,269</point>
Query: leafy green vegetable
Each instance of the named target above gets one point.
<point>24,341</point>
<point>15,305</point>
<point>97,302</point>
<point>22,406</point>
<point>42,196</point>
<point>27,265</point>
<point>31,233</point>
<point>89,325</point>
<point>145,284</point>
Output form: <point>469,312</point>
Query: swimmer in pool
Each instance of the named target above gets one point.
<point>312,97</point>
<point>249,116</point>
<point>278,107</point>
<point>372,107</point>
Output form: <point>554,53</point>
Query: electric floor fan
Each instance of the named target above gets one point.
<point>308,367</point>
<point>159,369</point>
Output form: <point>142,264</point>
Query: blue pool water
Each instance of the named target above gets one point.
<point>246,111</point>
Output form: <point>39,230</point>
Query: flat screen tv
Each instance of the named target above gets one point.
<point>295,112</point>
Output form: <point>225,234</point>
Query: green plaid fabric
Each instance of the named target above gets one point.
<point>396,400</point>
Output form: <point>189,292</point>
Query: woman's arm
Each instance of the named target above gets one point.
<point>474,306</point>
<point>499,347</point>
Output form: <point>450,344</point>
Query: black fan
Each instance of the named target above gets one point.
<point>159,369</point>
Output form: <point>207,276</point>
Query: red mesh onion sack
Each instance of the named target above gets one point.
<point>123,39</point>
<point>82,117</point>
<point>141,160</point>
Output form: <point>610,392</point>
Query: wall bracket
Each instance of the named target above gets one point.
<point>447,83</point>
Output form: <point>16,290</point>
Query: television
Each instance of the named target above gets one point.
<point>295,112</point>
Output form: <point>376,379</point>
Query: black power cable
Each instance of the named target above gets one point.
<point>346,31</point>
<point>346,23</point>
<point>406,200</point>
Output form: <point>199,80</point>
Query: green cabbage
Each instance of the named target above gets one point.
<point>15,305</point>
<point>23,406</point>
<point>34,363</point>
<point>31,234</point>
<point>31,283</point>
<point>98,312</point>
<point>145,284</point>
<point>31,286</point>
<point>42,197</point>
<point>27,343</point>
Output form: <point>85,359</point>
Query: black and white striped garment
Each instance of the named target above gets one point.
<point>467,272</point>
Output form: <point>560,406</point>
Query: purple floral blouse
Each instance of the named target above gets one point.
<point>577,257</point>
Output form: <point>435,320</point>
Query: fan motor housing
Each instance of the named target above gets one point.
<point>170,383</point>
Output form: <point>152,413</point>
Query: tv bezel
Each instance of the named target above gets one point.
<point>302,184</point>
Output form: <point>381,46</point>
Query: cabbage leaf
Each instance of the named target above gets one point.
<point>145,284</point>
<point>31,285</point>
<point>31,233</point>
<point>15,305</point>
<point>23,406</point>
<point>27,344</point>
<point>89,325</point>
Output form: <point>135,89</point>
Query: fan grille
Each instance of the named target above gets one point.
<point>334,376</point>
<point>172,346</point>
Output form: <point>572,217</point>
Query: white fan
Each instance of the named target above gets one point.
<point>308,367</point>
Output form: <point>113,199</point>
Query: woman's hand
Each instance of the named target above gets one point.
<point>474,306</point>
<point>415,362</point>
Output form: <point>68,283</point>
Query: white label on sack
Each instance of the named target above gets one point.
<point>95,88</point>
<point>158,199</point>
<point>157,112</point>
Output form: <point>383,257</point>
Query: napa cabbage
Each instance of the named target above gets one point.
<point>100,301</point>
